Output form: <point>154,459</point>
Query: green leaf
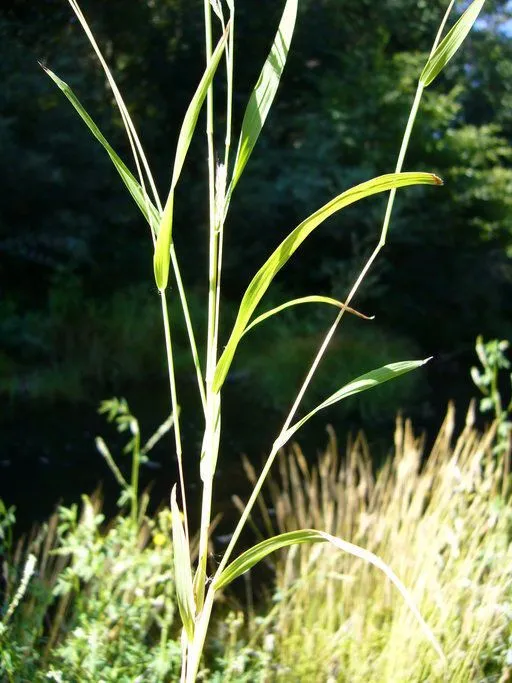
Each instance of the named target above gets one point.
<point>182,570</point>
<point>263,278</point>
<point>305,300</point>
<point>133,186</point>
<point>367,381</point>
<point>252,556</point>
<point>451,43</point>
<point>163,244</point>
<point>264,91</point>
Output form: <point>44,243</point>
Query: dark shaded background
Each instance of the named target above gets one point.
<point>79,313</point>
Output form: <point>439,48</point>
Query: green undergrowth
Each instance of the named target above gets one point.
<point>98,601</point>
<point>100,605</point>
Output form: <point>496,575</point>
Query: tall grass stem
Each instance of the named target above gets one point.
<point>175,408</point>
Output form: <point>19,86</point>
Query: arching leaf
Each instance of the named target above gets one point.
<point>314,299</point>
<point>263,278</point>
<point>250,557</point>
<point>367,381</point>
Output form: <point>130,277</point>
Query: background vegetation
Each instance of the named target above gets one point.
<point>102,602</point>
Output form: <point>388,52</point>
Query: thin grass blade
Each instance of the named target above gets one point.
<point>182,570</point>
<point>263,278</point>
<point>127,177</point>
<point>315,299</point>
<point>264,91</point>
<point>451,43</point>
<point>250,557</point>
<point>362,383</point>
<point>163,243</point>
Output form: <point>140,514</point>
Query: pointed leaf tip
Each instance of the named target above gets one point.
<point>362,383</point>
<point>451,43</point>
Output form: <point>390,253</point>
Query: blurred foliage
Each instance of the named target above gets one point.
<point>495,383</point>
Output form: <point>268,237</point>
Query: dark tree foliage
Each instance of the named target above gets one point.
<point>445,275</point>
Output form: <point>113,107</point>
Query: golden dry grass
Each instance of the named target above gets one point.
<point>439,520</point>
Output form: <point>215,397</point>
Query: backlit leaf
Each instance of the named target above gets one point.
<point>451,43</point>
<point>134,188</point>
<point>265,90</point>
<point>163,244</point>
<point>367,381</point>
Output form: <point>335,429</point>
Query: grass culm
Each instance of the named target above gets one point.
<point>195,594</point>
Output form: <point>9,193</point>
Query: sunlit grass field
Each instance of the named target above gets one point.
<point>101,604</point>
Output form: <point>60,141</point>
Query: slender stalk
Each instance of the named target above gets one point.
<point>221,189</point>
<point>135,475</point>
<point>135,144</point>
<point>196,648</point>
<point>175,407</point>
<point>212,424</point>
<point>188,323</point>
<point>229,91</point>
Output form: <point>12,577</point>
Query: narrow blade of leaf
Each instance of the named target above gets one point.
<point>163,244</point>
<point>265,90</point>
<point>367,381</point>
<point>133,186</point>
<point>192,114</point>
<point>252,556</point>
<point>263,278</point>
<point>305,300</point>
<point>451,43</point>
<point>182,570</point>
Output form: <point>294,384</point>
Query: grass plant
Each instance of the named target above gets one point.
<point>195,592</point>
<point>438,518</point>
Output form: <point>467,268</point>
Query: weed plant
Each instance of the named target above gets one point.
<point>495,364</point>
<point>195,590</point>
<point>94,602</point>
